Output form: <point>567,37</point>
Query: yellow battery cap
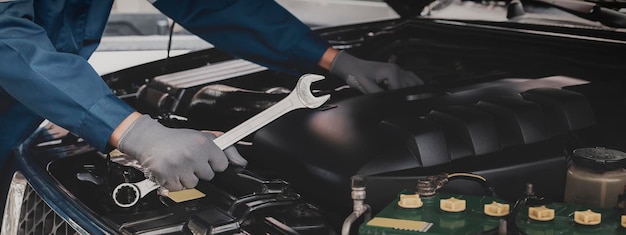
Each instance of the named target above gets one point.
<point>496,209</point>
<point>410,201</point>
<point>541,213</point>
<point>587,217</point>
<point>452,204</point>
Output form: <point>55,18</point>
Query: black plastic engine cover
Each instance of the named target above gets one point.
<point>506,127</point>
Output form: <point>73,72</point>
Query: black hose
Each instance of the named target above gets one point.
<point>476,178</point>
<point>169,46</point>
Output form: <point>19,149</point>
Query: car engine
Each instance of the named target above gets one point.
<point>508,105</point>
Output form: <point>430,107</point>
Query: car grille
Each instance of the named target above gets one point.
<point>36,217</point>
<point>27,213</point>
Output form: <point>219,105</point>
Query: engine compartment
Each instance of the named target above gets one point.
<point>237,200</point>
<point>504,104</point>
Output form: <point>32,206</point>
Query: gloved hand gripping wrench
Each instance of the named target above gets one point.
<point>300,97</point>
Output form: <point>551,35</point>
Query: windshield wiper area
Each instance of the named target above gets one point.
<point>589,11</point>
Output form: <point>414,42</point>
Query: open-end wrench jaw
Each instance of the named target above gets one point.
<point>303,91</point>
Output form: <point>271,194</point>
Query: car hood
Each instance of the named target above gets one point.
<point>605,13</point>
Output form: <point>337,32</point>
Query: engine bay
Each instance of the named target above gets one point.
<point>507,106</point>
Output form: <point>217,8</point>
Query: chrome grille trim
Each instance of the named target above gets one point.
<point>12,208</point>
<point>27,213</point>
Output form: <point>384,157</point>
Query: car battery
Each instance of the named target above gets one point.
<point>464,214</point>
<point>429,218</point>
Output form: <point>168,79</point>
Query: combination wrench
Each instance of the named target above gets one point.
<point>300,97</point>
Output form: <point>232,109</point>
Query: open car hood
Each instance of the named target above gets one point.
<point>606,13</point>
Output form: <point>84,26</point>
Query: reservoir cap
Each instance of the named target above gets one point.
<point>599,158</point>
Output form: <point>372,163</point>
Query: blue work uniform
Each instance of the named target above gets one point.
<point>45,44</point>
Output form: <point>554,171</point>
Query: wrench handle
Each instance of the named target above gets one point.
<point>256,122</point>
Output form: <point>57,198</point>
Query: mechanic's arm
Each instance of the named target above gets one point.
<point>60,87</point>
<point>264,32</point>
<point>65,89</point>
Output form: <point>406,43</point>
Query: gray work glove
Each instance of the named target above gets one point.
<point>176,157</point>
<point>371,76</point>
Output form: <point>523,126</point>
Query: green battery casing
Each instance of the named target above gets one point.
<point>473,220</point>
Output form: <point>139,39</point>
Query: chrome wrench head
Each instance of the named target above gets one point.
<point>300,97</point>
<point>303,91</point>
<point>133,191</point>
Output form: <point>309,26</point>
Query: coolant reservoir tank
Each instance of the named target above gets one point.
<point>596,177</point>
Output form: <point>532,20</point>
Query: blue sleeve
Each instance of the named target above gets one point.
<point>257,30</point>
<point>60,87</point>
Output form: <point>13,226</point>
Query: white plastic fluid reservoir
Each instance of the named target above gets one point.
<point>596,177</point>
